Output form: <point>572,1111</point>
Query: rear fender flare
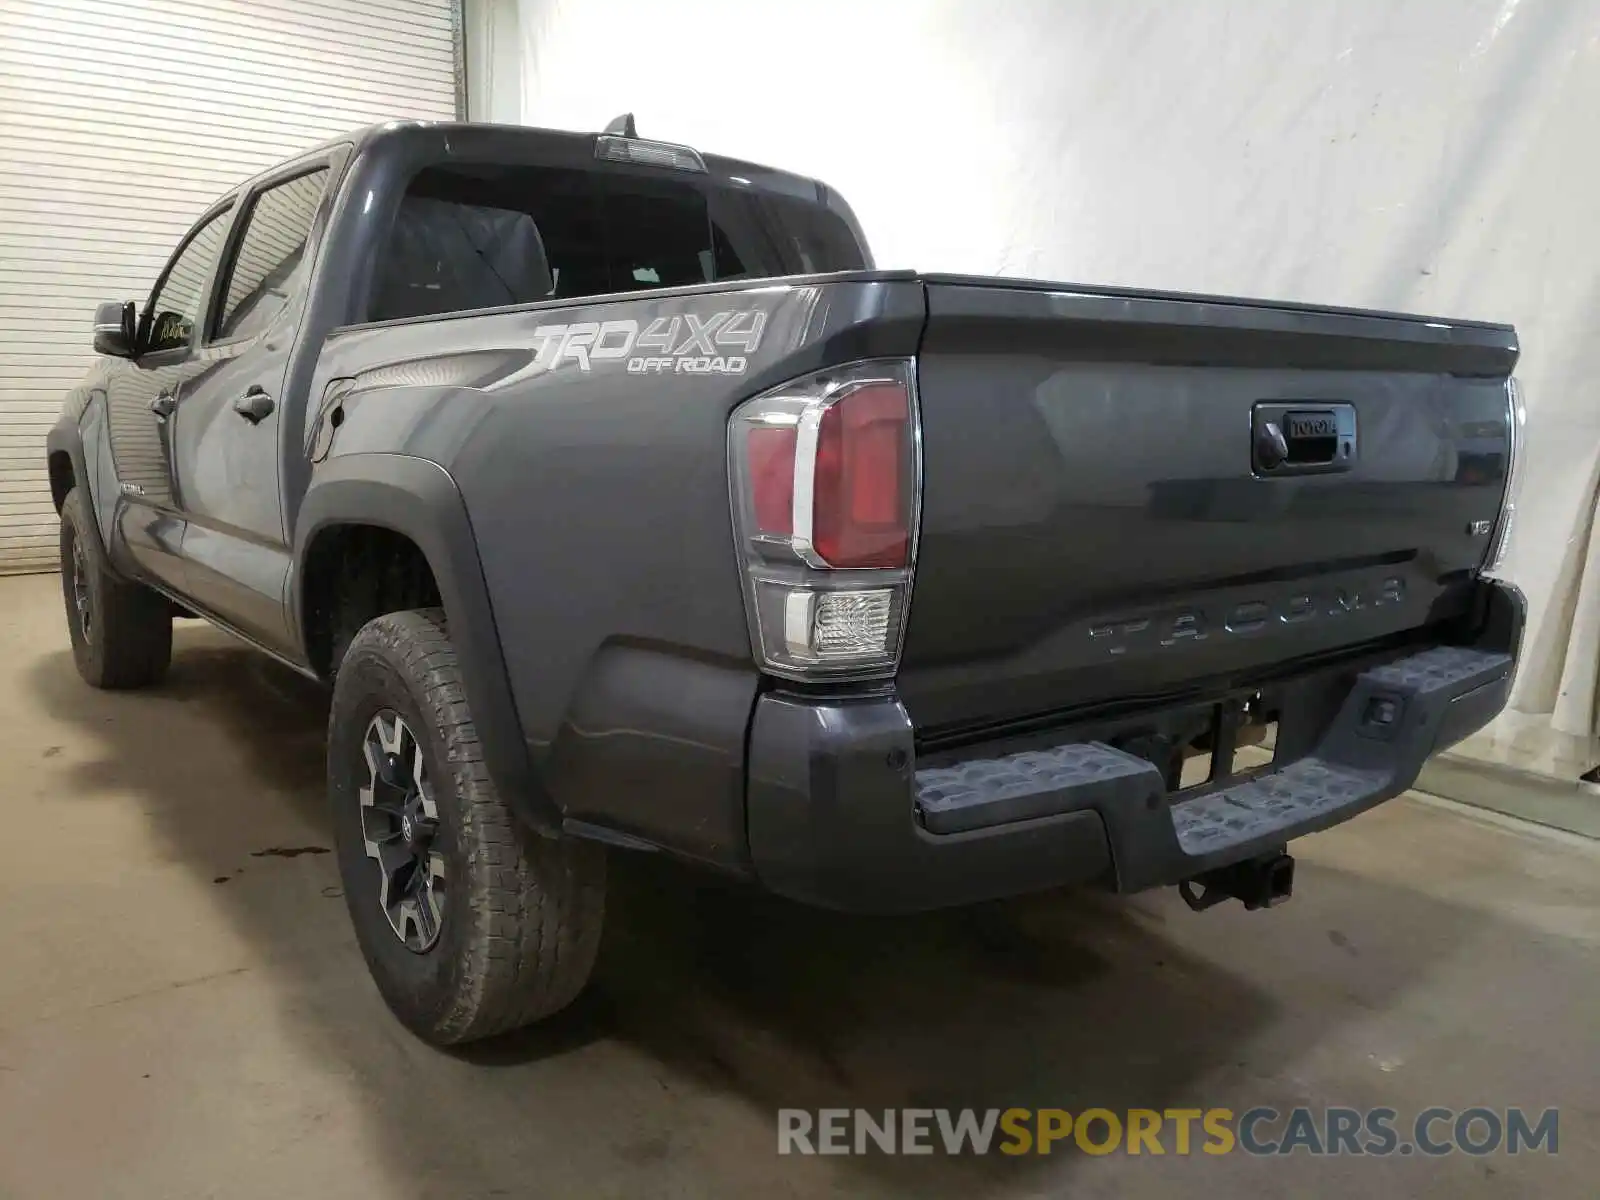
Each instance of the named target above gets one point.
<point>417,498</point>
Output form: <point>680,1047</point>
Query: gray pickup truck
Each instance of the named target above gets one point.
<point>624,505</point>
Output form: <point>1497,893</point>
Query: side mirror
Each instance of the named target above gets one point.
<point>114,329</point>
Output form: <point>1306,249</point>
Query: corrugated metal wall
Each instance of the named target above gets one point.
<point>121,121</point>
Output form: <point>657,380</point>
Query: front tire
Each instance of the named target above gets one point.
<point>471,923</point>
<point>121,630</point>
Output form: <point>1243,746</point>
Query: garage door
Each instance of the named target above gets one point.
<point>120,121</point>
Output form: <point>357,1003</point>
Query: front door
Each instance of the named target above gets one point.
<point>141,399</point>
<point>229,438</point>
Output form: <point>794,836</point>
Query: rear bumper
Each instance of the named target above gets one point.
<point>841,814</point>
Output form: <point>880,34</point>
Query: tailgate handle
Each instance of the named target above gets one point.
<point>1300,438</point>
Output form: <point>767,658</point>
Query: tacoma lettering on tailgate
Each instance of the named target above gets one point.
<point>1179,626</point>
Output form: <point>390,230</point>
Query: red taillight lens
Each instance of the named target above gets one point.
<point>770,453</point>
<point>824,478</point>
<point>861,498</point>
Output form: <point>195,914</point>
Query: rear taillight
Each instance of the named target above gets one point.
<point>825,477</point>
<point>1516,420</point>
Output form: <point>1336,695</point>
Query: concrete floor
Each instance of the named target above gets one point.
<point>183,1011</point>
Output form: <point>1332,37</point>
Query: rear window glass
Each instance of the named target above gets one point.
<point>485,236</point>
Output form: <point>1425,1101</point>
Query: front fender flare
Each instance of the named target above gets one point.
<point>65,437</point>
<point>417,498</point>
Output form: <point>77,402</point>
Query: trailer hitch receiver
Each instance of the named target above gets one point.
<point>1256,883</point>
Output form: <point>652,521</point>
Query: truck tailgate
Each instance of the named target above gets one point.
<point>1103,516</point>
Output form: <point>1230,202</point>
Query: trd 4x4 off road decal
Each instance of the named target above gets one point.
<point>683,345</point>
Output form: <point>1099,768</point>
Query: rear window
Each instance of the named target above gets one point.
<point>484,236</point>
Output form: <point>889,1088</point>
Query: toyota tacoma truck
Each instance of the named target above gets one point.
<point>623,504</point>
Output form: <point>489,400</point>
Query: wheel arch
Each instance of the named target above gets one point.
<point>416,499</point>
<point>67,463</point>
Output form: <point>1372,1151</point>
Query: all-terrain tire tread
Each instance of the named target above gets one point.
<point>536,904</point>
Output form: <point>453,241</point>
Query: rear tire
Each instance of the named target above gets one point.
<point>490,926</point>
<point>121,630</point>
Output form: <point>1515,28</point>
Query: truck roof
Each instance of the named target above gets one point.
<point>481,139</point>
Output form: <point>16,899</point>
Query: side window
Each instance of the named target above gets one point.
<point>175,305</point>
<point>271,259</point>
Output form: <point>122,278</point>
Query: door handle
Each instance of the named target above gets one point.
<point>255,405</point>
<point>163,404</point>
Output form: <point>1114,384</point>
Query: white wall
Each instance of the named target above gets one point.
<point>1434,155</point>
<point>494,53</point>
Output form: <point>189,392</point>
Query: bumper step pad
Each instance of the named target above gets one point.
<point>1283,799</point>
<point>992,791</point>
<point>1440,668</point>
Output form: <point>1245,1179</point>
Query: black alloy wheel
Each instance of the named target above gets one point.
<point>80,590</point>
<point>399,824</point>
